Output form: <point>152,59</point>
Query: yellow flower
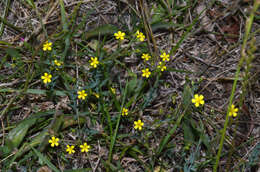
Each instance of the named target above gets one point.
<point>113,90</point>
<point>138,124</point>
<point>140,35</point>
<point>161,66</point>
<point>146,57</point>
<point>85,147</point>
<point>57,63</point>
<point>146,73</point>
<point>94,62</point>
<point>47,46</point>
<point>198,99</point>
<point>46,78</point>
<point>233,111</point>
<point>82,95</point>
<point>97,95</point>
<point>54,141</point>
<point>165,57</point>
<point>124,112</point>
<point>70,149</point>
<point>120,35</point>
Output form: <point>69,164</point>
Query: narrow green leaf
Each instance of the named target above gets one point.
<point>45,160</point>
<point>31,3</point>
<point>63,17</point>
<point>113,138</point>
<point>166,139</point>
<point>33,91</point>
<point>101,30</point>
<point>12,52</point>
<point>4,16</point>
<point>5,43</point>
<point>79,170</point>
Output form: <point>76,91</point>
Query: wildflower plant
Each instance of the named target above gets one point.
<point>113,90</point>
<point>233,111</point>
<point>139,79</point>
<point>54,141</point>
<point>57,63</point>
<point>140,36</point>
<point>84,147</point>
<point>46,78</point>
<point>146,57</point>
<point>47,46</point>
<point>82,94</point>
<point>161,66</point>
<point>124,112</point>
<point>70,149</point>
<point>138,125</point>
<point>146,73</point>
<point>120,35</point>
<point>165,57</point>
<point>94,62</point>
<point>198,100</point>
<point>96,95</point>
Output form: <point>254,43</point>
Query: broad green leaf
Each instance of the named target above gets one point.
<point>16,135</point>
<point>132,85</point>
<point>188,134</point>
<point>186,96</point>
<point>12,52</point>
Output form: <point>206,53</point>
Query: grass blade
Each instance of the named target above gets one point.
<point>113,138</point>
<point>166,139</point>
<point>4,16</point>
<point>45,160</point>
<point>241,61</point>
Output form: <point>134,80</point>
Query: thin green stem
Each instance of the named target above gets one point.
<point>243,56</point>
<point>113,139</point>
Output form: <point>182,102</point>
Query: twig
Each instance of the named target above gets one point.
<point>10,83</point>
<point>3,128</point>
<point>200,60</point>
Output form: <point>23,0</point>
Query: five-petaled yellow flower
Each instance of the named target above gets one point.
<point>85,147</point>
<point>57,63</point>
<point>161,66</point>
<point>46,78</point>
<point>94,62</point>
<point>165,57</point>
<point>198,99</point>
<point>146,57</point>
<point>140,36</point>
<point>54,141</point>
<point>233,111</point>
<point>82,94</point>
<point>47,46</point>
<point>120,35</point>
<point>70,149</point>
<point>146,73</point>
<point>138,124</point>
<point>124,112</point>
